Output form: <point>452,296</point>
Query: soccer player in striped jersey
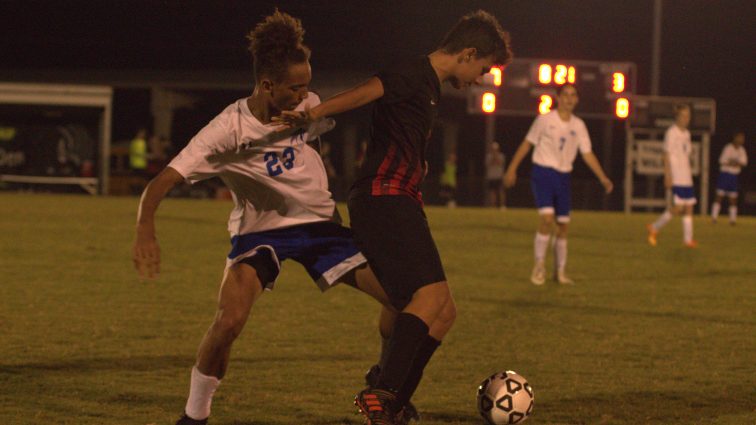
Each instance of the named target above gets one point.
<point>557,137</point>
<point>678,177</point>
<point>282,206</point>
<point>385,203</point>
<point>731,162</point>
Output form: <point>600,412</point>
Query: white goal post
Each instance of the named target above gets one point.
<point>21,97</point>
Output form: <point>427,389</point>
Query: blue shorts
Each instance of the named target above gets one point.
<point>325,249</point>
<point>727,183</point>
<point>551,190</point>
<point>683,195</point>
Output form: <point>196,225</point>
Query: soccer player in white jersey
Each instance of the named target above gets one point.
<point>282,208</point>
<point>731,162</point>
<point>557,137</point>
<point>678,177</point>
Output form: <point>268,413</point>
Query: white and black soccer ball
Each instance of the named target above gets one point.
<point>505,398</point>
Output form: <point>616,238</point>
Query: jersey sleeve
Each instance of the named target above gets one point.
<point>398,84</point>
<point>199,159</point>
<point>583,138</point>
<point>668,141</point>
<point>743,157</point>
<point>534,134</point>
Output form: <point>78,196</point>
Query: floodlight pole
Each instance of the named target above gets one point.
<point>656,48</point>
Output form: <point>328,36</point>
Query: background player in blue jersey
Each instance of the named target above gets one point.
<point>731,163</point>
<point>282,206</point>
<point>385,203</point>
<point>557,136</point>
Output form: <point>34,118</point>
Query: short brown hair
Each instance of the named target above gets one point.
<point>276,43</point>
<point>482,31</point>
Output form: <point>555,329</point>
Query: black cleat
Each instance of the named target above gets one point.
<point>406,413</point>
<point>186,420</point>
<point>377,406</point>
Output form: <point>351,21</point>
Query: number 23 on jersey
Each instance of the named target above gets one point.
<point>274,163</point>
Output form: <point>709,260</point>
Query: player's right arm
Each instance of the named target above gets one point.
<point>510,177</point>
<point>146,251</point>
<point>353,98</point>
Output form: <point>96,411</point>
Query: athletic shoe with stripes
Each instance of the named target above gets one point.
<point>377,406</point>
<point>407,413</point>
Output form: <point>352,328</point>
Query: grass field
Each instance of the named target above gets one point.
<point>659,335</point>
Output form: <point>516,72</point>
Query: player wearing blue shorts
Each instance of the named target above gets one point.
<point>557,137</point>
<point>282,206</point>
<point>731,162</point>
<point>678,177</point>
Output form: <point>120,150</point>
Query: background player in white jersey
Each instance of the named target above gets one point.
<point>678,177</point>
<point>282,208</point>
<point>557,137</point>
<point>731,162</point>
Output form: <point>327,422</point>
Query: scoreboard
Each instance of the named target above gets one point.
<point>529,87</point>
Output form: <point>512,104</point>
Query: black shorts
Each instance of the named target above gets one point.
<point>393,234</point>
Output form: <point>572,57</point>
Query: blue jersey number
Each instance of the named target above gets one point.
<point>562,141</point>
<point>272,162</point>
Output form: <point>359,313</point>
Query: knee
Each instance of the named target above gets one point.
<point>228,324</point>
<point>546,223</point>
<point>434,296</point>
<point>449,314</point>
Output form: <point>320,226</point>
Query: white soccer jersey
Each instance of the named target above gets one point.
<point>557,142</point>
<point>732,153</point>
<point>678,147</point>
<point>276,179</point>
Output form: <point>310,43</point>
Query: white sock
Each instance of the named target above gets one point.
<point>715,210</point>
<point>560,251</point>
<point>733,210</point>
<point>662,220</point>
<point>200,395</point>
<point>687,222</point>
<point>541,244</point>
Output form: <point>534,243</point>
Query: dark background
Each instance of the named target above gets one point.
<point>707,46</point>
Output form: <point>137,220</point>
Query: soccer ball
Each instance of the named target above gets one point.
<point>505,398</point>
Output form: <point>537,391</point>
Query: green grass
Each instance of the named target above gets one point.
<point>658,335</point>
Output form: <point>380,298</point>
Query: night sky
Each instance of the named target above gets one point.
<point>707,46</point>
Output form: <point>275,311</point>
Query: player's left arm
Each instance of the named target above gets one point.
<point>593,163</point>
<point>353,98</point>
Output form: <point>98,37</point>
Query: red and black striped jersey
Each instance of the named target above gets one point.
<point>401,125</point>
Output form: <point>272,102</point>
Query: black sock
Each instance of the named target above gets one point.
<point>384,352</point>
<point>422,357</point>
<point>409,333</point>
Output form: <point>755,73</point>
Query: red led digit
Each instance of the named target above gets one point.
<point>560,74</point>
<point>544,73</point>
<point>618,82</point>
<point>496,72</point>
<point>571,75</point>
<point>488,102</point>
<point>622,108</point>
<point>545,106</point>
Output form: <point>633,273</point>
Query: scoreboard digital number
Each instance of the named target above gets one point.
<point>529,87</point>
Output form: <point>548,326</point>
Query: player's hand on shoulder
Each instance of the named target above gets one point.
<point>294,119</point>
<point>146,255</point>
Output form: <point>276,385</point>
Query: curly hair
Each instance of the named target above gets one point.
<point>482,31</point>
<point>276,43</point>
